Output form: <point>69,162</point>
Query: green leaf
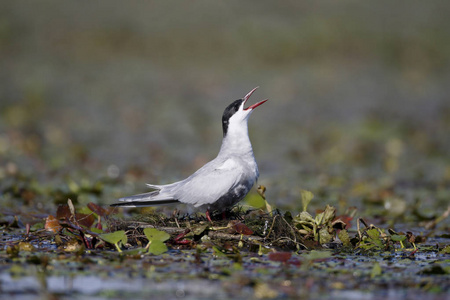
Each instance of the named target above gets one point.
<point>329,214</point>
<point>374,237</point>
<point>446,250</point>
<point>255,200</point>
<point>324,236</point>
<point>314,254</point>
<point>304,216</point>
<point>157,247</point>
<point>344,237</point>
<point>376,270</point>
<point>96,230</point>
<point>319,218</point>
<point>398,238</point>
<point>156,235</point>
<point>37,226</point>
<point>124,239</point>
<point>114,237</point>
<point>198,230</point>
<point>307,196</point>
<point>218,252</point>
<point>131,252</point>
<point>84,210</point>
<point>373,233</point>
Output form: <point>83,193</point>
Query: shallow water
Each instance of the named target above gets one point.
<point>178,274</point>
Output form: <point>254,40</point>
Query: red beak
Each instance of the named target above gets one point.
<point>254,105</point>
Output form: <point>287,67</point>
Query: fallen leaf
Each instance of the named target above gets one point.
<point>316,255</point>
<point>344,237</point>
<point>157,247</point>
<point>85,220</point>
<point>153,234</point>
<point>346,219</point>
<point>280,256</point>
<point>398,238</point>
<point>52,224</point>
<point>242,229</point>
<point>324,235</point>
<point>63,212</point>
<point>376,270</point>
<point>115,238</point>
<point>97,209</point>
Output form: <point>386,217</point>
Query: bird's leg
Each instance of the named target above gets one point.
<point>208,216</point>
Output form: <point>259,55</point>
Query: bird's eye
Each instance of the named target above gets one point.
<point>229,112</point>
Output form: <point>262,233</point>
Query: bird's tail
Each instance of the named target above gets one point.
<point>146,199</point>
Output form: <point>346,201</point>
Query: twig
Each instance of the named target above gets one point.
<point>442,217</point>
<point>211,233</point>
<point>237,237</point>
<point>271,227</point>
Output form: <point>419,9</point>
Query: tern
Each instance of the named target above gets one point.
<point>222,182</point>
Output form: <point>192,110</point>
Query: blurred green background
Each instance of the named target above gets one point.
<point>122,93</point>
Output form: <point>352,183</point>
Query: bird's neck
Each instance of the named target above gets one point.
<point>236,141</point>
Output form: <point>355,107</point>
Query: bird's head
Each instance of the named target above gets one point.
<point>235,115</point>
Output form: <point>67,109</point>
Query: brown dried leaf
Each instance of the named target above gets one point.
<point>345,219</point>
<point>410,237</point>
<point>280,256</point>
<point>52,224</point>
<point>63,212</point>
<point>338,224</point>
<point>242,229</point>
<point>97,209</point>
<point>85,220</point>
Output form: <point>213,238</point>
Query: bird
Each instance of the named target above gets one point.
<point>220,183</point>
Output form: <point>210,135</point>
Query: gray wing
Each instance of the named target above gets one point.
<point>205,186</point>
<point>210,182</point>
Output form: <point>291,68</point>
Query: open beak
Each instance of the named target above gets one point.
<point>254,105</point>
